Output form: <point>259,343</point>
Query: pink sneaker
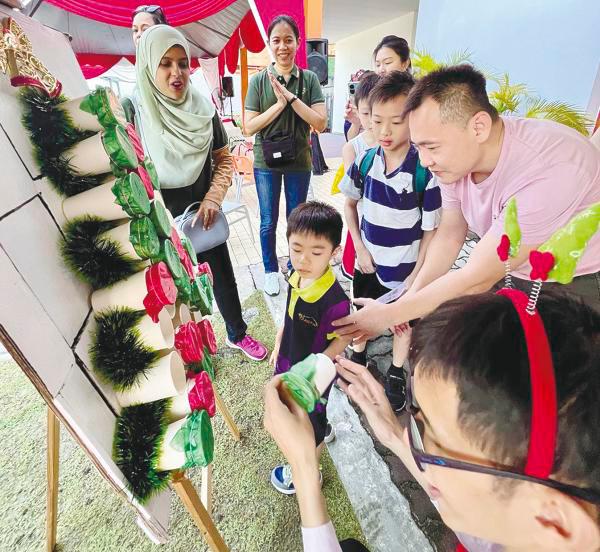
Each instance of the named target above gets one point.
<point>252,348</point>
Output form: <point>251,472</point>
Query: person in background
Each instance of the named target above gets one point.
<point>391,54</point>
<point>482,160</point>
<point>275,106</point>
<point>146,16</point>
<point>469,433</point>
<point>354,149</point>
<point>398,219</point>
<point>185,139</point>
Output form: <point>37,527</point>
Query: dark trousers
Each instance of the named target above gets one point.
<point>351,545</point>
<point>225,286</point>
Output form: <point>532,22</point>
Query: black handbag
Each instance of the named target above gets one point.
<point>279,148</point>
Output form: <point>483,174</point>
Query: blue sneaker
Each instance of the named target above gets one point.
<point>281,479</point>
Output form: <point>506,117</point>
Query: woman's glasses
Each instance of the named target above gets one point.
<point>415,437</point>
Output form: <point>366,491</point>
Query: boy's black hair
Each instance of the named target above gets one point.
<point>318,218</point>
<point>390,86</point>
<point>459,90</point>
<point>477,343</point>
<point>288,20</point>
<point>366,83</point>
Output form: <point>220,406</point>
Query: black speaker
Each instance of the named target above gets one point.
<point>316,56</point>
<point>227,87</point>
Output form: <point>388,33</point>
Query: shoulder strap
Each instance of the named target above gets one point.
<point>365,166</point>
<point>419,181</point>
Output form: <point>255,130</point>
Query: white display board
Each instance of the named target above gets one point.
<point>45,310</point>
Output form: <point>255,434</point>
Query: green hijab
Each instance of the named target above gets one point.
<point>177,134</point>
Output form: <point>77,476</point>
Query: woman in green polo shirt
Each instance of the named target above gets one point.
<point>280,114</point>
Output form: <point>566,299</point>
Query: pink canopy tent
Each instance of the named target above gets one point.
<point>101,36</point>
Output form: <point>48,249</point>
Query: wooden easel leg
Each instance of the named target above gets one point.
<point>233,428</point>
<point>188,495</point>
<point>206,489</point>
<point>52,475</point>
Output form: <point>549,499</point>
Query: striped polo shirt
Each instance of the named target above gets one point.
<point>392,223</point>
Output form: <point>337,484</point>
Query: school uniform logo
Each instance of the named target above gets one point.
<point>308,320</point>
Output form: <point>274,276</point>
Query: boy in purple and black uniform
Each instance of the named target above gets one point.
<point>315,299</point>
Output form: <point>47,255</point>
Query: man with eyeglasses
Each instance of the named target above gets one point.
<point>144,17</point>
<point>503,424</point>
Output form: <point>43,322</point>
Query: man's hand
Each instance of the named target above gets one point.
<point>207,212</point>
<point>366,264</point>
<point>370,321</point>
<point>369,395</point>
<point>289,426</point>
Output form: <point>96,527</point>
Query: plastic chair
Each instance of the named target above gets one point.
<point>241,165</point>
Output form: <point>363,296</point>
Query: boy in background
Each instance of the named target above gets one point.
<point>400,211</point>
<point>354,149</point>
<point>315,299</point>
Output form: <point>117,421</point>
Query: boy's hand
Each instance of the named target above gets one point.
<point>274,355</point>
<point>365,261</point>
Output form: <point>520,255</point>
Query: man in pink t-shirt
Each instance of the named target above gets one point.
<point>482,160</point>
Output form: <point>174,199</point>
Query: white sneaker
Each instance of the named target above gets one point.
<point>271,283</point>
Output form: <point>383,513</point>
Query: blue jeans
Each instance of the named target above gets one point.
<point>268,188</point>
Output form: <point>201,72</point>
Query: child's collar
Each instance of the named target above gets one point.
<point>311,293</point>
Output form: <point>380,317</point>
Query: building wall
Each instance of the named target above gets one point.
<point>356,52</point>
<point>552,46</point>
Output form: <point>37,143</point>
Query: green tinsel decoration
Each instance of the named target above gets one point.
<point>98,262</point>
<point>51,133</point>
<point>117,352</point>
<point>139,433</point>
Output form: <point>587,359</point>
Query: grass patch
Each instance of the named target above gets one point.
<point>250,514</point>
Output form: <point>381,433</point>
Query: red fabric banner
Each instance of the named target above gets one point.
<point>94,65</point>
<point>118,12</point>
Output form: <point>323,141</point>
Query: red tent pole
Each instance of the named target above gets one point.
<point>244,75</point>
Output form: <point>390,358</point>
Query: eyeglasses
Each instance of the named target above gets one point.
<point>422,458</point>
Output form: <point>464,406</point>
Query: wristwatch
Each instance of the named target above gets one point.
<point>293,100</point>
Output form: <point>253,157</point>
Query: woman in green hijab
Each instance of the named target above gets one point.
<point>185,139</point>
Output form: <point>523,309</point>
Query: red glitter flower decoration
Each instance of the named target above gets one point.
<point>541,265</point>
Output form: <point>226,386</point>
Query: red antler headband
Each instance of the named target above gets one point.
<point>544,409</point>
<point>557,259</point>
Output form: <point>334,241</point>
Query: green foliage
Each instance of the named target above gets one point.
<point>139,433</point>
<point>424,63</point>
<point>508,98</point>
<point>538,108</point>
<point>95,260</point>
<point>52,133</point>
<point>118,355</point>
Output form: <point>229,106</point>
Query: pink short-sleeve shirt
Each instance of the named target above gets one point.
<point>554,173</point>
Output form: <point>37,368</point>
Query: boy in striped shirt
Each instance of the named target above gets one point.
<point>397,220</point>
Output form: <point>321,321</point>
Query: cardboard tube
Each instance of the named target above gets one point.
<point>80,118</point>
<point>120,234</point>
<point>325,373</point>
<point>98,202</point>
<point>165,379</point>
<point>126,293</point>
<point>89,156</point>
<point>182,315</point>
<point>169,458</point>
<point>157,335</point>
<point>180,405</point>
